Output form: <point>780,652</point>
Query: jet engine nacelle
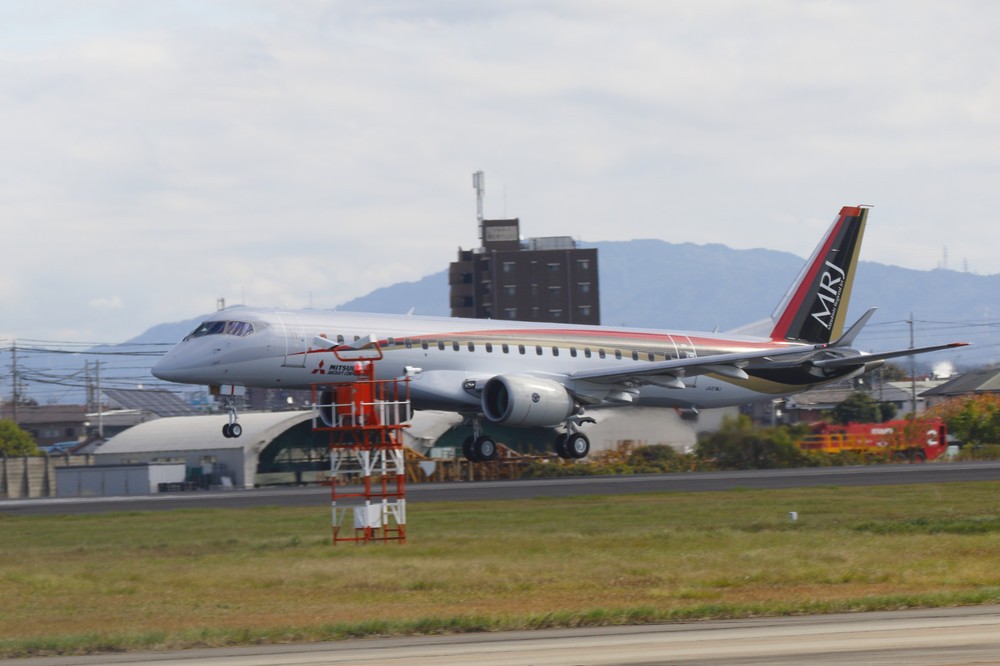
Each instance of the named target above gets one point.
<point>523,400</point>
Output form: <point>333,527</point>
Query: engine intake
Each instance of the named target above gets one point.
<point>523,400</point>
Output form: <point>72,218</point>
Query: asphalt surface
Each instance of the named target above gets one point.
<point>870,475</point>
<point>927,637</point>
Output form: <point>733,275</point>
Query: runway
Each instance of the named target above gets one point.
<point>868,475</point>
<point>935,637</point>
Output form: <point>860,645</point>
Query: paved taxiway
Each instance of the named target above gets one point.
<point>953,636</point>
<point>869,475</point>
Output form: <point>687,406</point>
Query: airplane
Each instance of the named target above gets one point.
<point>531,374</point>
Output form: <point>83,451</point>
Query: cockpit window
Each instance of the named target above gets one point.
<point>237,328</point>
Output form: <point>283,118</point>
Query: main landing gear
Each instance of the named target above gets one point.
<point>571,445</point>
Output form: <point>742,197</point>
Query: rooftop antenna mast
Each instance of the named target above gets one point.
<point>479,183</point>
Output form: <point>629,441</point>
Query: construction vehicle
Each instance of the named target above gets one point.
<point>905,440</point>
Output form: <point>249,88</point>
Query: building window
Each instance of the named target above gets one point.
<point>555,314</point>
<point>583,264</point>
<point>510,289</point>
<point>510,313</point>
<point>555,290</point>
<point>584,310</point>
<point>552,267</point>
<point>584,287</point>
<point>508,267</point>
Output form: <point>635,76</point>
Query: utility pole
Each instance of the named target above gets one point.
<point>100,411</point>
<point>14,379</point>
<point>913,370</point>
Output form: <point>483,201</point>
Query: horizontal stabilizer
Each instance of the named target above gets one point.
<point>847,339</point>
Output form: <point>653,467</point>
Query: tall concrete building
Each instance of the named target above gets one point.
<point>540,279</point>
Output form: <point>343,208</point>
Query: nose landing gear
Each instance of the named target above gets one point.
<point>232,429</point>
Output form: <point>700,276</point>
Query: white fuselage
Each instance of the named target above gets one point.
<point>261,347</point>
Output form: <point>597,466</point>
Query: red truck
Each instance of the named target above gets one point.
<point>913,440</point>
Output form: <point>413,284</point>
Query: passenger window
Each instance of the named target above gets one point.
<point>555,351</point>
<point>635,356</point>
<point>408,343</point>
<point>489,347</point>
<point>618,354</point>
<point>423,344</point>
<point>538,350</point>
<point>586,352</point>
<point>505,348</point>
<point>520,349</point>
<point>572,352</point>
<point>600,352</point>
<point>441,345</point>
<point>650,356</point>
<point>455,345</point>
<point>340,339</point>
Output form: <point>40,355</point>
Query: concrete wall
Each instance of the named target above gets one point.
<point>111,480</point>
<point>34,476</point>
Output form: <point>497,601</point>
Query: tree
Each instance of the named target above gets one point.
<point>863,408</point>
<point>971,419</point>
<point>14,441</point>
<point>738,445</point>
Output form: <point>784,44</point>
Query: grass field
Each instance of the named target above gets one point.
<point>157,580</point>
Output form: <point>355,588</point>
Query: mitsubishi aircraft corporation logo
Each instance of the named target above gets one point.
<point>831,286</point>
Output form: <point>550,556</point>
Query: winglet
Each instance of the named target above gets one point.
<point>815,306</point>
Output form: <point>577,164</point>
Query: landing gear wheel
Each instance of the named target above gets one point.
<point>235,430</point>
<point>467,448</point>
<point>225,431</point>
<point>560,445</point>
<point>484,449</point>
<point>577,445</point>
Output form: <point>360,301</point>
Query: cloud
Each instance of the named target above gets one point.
<point>314,151</point>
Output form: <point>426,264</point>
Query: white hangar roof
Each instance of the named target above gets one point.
<point>197,433</point>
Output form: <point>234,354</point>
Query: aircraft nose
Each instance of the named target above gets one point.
<point>165,368</point>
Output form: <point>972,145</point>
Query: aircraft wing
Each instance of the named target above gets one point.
<point>847,361</point>
<point>728,365</point>
<point>669,373</point>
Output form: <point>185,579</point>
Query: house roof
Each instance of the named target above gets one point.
<point>45,414</point>
<point>161,403</point>
<point>978,381</point>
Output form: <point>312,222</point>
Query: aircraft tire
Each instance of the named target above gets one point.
<point>467,448</point>
<point>225,431</point>
<point>560,445</point>
<point>235,430</point>
<point>577,445</point>
<point>484,448</point>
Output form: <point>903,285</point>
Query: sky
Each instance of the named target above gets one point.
<point>158,156</point>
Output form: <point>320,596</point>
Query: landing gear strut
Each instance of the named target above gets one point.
<point>232,429</point>
<point>479,447</point>
<point>573,444</point>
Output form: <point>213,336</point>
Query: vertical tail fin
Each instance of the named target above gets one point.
<point>815,307</point>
